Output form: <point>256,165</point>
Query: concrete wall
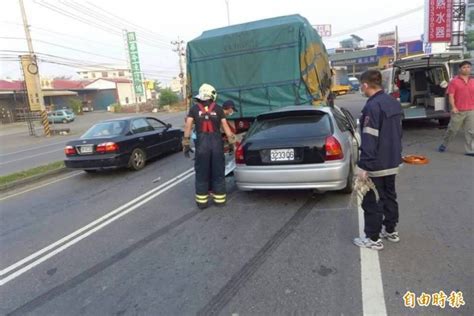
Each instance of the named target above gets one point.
<point>125,94</point>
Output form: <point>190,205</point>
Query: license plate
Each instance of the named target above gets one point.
<point>86,149</point>
<point>282,154</point>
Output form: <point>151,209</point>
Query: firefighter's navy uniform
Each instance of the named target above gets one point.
<point>209,160</point>
<point>381,156</point>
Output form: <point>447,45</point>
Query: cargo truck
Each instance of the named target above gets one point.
<point>261,66</point>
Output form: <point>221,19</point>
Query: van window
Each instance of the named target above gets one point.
<point>387,80</point>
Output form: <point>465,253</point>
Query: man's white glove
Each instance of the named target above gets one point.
<point>362,174</point>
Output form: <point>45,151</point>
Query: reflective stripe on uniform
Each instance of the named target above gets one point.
<point>383,173</point>
<point>202,198</point>
<point>371,131</point>
<point>219,198</point>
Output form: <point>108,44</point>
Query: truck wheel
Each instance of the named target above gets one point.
<point>137,159</point>
<point>443,122</point>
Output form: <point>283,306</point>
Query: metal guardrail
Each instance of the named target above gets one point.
<point>22,115</point>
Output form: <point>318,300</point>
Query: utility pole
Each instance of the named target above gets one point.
<point>32,68</point>
<point>181,51</point>
<point>228,11</point>
<point>397,48</point>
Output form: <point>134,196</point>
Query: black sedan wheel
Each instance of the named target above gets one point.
<point>137,159</point>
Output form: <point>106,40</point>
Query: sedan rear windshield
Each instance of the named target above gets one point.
<point>292,126</point>
<point>106,129</point>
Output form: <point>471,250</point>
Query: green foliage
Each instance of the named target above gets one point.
<point>470,40</point>
<point>117,107</point>
<point>157,86</point>
<point>9,178</point>
<point>76,105</point>
<point>168,97</point>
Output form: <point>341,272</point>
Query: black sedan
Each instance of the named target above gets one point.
<point>125,142</point>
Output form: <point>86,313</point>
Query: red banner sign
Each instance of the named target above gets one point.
<point>440,20</point>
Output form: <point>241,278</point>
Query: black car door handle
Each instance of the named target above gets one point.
<point>141,139</point>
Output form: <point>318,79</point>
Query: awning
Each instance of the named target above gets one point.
<point>56,93</point>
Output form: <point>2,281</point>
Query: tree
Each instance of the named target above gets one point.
<point>168,97</point>
<point>157,86</point>
<point>470,40</point>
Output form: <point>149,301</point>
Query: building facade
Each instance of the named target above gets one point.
<point>380,57</point>
<point>104,72</point>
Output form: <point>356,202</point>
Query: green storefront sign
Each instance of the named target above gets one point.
<point>135,64</point>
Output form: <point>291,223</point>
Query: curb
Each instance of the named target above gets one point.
<point>33,179</point>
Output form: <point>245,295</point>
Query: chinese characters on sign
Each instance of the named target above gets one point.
<point>32,82</point>
<point>439,299</point>
<point>440,20</point>
<point>135,64</point>
<point>324,30</point>
<point>387,39</point>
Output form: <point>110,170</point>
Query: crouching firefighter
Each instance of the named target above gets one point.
<point>209,160</point>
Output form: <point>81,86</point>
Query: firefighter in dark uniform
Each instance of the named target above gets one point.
<point>209,163</point>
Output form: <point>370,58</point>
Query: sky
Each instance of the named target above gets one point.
<point>89,31</point>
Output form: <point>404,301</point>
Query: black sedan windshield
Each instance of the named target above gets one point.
<point>105,129</point>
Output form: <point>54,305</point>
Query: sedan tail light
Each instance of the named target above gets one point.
<point>70,151</point>
<point>333,149</point>
<point>239,154</point>
<point>108,147</point>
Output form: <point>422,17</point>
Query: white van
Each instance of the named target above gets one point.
<point>420,83</point>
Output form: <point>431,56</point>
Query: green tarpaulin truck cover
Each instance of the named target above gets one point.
<point>262,65</point>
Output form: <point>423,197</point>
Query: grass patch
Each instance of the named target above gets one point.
<point>9,178</point>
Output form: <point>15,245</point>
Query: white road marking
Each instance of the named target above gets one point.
<point>373,299</point>
<point>32,148</point>
<point>41,186</point>
<point>28,157</point>
<point>89,229</point>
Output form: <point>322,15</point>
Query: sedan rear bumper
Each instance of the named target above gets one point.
<point>328,176</point>
<point>97,162</point>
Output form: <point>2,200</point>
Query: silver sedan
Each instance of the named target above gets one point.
<point>299,147</point>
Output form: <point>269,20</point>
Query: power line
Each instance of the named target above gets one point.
<point>76,17</point>
<point>130,23</point>
<point>69,36</point>
<point>65,47</point>
<point>86,63</point>
<point>97,15</point>
<point>93,22</point>
<point>381,21</point>
<point>90,12</point>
